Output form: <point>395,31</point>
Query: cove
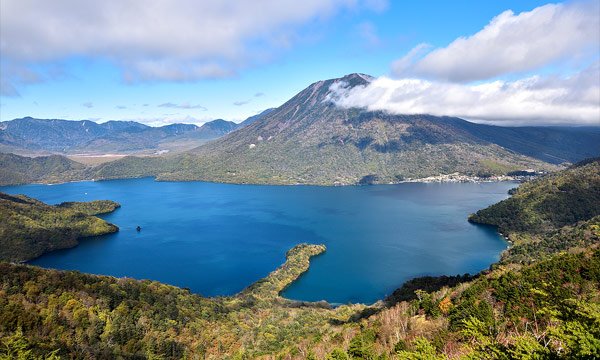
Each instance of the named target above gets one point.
<point>216,239</point>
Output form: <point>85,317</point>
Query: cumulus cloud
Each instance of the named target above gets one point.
<point>179,40</point>
<point>539,100</point>
<point>511,43</point>
<point>186,106</point>
<point>468,78</point>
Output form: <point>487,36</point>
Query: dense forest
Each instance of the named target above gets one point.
<point>553,213</point>
<point>22,170</point>
<point>542,301</point>
<point>30,228</point>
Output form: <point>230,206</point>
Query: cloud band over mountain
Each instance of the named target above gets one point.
<point>474,77</point>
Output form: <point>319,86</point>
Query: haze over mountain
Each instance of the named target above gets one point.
<point>27,135</point>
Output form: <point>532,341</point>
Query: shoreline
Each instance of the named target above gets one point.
<point>449,178</point>
<point>442,178</point>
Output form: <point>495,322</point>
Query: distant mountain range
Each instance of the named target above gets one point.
<point>310,140</point>
<point>28,135</point>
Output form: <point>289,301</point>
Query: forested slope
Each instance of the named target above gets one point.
<point>541,302</point>
<point>30,228</point>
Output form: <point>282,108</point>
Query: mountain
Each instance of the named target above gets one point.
<point>216,128</point>
<point>200,135</point>
<point>552,144</point>
<point>213,129</point>
<point>40,136</point>
<point>311,140</point>
<point>256,117</point>
<point>112,125</point>
<point>69,137</point>
<point>30,228</point>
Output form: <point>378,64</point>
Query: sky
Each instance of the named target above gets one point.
<point>159,62</point>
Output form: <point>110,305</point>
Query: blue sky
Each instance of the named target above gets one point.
<point>82,71</point>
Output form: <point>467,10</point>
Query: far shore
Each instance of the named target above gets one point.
<point>445,178</point>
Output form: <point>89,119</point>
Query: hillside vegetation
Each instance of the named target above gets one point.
<point>546,310</point>
<point>95,207</point>
<point>87,316</point>
<point>30,228</point>
<point>543,309</point>
<point>552,213</point>
<point>16,169</point>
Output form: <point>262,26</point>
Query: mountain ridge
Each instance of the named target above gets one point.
<point>310,140</point>
<point>27,134</point>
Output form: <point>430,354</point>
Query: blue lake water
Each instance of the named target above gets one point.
<point>217,239</point>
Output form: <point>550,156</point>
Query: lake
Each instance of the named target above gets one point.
<point>217,239</point>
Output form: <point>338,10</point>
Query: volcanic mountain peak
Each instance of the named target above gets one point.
<point>318,93</point>
<point>356,79</point>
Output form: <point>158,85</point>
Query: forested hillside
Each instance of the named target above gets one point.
<point>15,169</point>
<point>543,309</point>
<point>30,228</point>
<point>553,213</point>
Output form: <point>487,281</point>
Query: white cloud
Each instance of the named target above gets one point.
<point>536,100</point>
<point>368,33</point>
<point>377,5</point>
<point>512,43</point>
<point>185,105</point>
<point>403,64</point>
<point>241,102</point>
<point>7,88</point>
<point>177,40</point>
<point>172,119</point>
<point>11,74</point>
<point>441,82</point>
